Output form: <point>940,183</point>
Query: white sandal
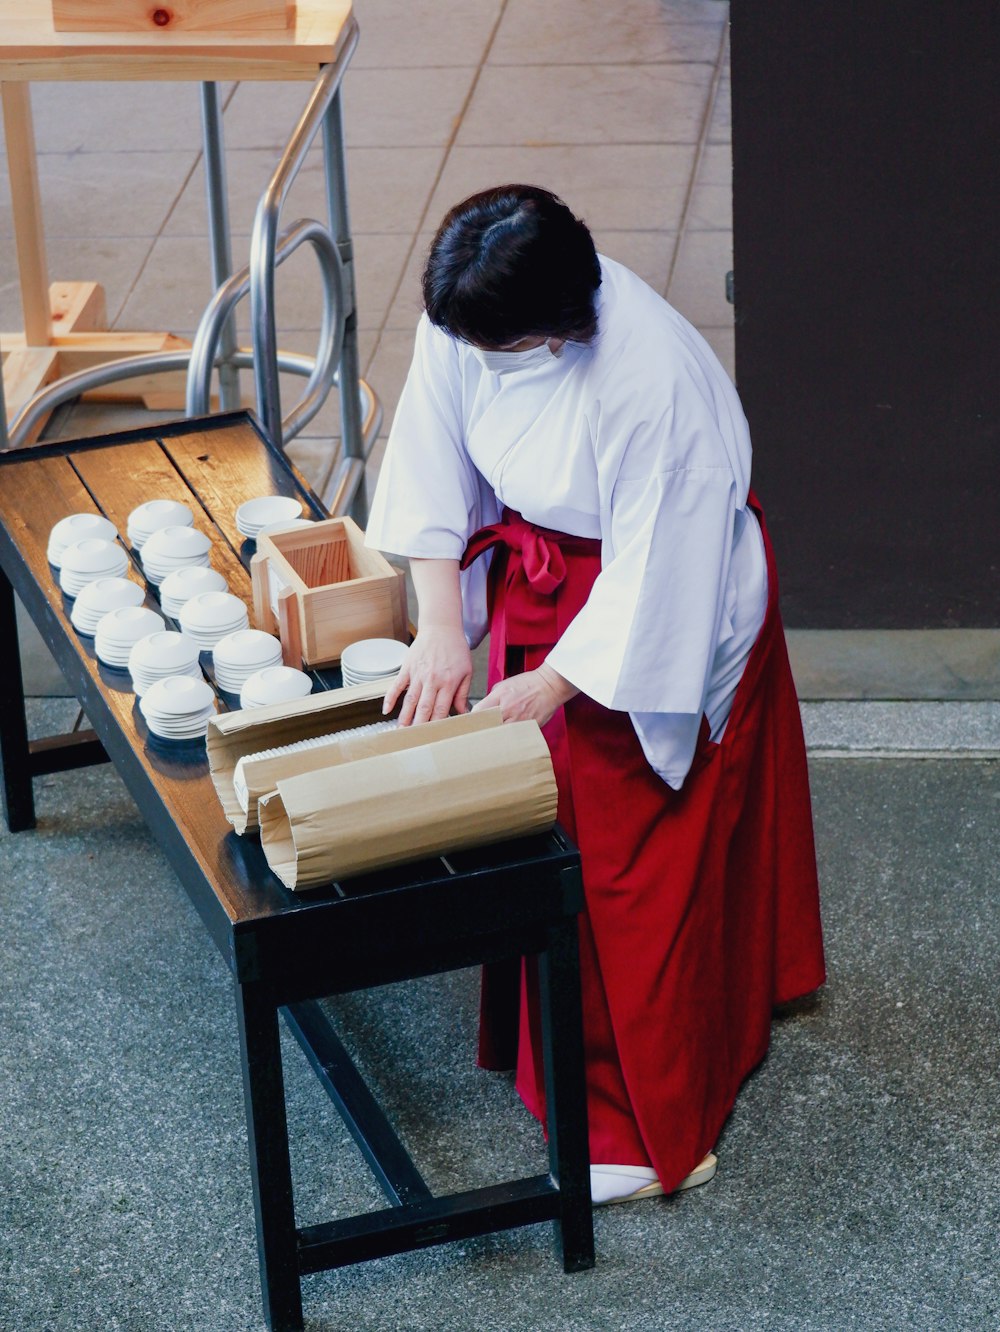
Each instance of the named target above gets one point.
<point>610,1183</point>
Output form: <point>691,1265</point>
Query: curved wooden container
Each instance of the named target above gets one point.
<point>440,796</point>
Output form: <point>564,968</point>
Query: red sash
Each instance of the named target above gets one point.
<point>701,905</point>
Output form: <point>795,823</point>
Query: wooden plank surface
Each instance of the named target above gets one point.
<point>34,495</point>
<point>118,16</point>
<point>31,49</point>
<point>228,466</point>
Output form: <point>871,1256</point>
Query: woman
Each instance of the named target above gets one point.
<point>569,466</point>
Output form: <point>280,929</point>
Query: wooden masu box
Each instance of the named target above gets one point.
<point>320,588</point>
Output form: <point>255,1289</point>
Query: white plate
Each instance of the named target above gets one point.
<point>148,518</point>
<point>77,527</point>
<point>265,511</point>
<point>269,528</point>
<point>163,651</point>
<point>212,611</point>
<point>180,585</point>
<point>127,624</point>
<point>247,648</point>
<point>373,657</point>
<point>177,542</point>
<point>177,696</point>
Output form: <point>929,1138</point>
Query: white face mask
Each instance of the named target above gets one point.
<point>503,362</point>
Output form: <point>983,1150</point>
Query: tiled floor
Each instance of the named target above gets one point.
<point>621,109</point>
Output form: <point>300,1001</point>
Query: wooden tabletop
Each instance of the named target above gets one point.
<point>213,468</point>
<point>367,930</point>
<point>31,49</point>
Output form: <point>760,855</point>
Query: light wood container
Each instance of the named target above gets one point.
<point>319,588</point>
<point>170,16</point>
<point>234,735</point>
<point>415,795</point>
<point>366,800</point>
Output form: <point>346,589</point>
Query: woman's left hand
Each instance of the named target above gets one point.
<point>532,696</point>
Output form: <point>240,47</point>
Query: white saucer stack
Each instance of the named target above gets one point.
<point>171,548</point>
<point>285,526</point>
<point>274,684</point>
<point>101,596</point>
<point>154,514</point>
<point>178,707</point>
<point>371,659</point>
<point>240,655</point>
<point>119,630</point>
<point>183,584</point>
<point>210,616</point>
<point>159,655</point>
<point>267,511</point>
<point>77,527</point>
<point>87,560</point>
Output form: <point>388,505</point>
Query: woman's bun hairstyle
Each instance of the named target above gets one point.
<point>509,263</point>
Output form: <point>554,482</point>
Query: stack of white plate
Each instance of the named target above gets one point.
<point>371,659</point>
<point>266,511</point>
<point>210,616</point>
<point>183,584</point>
<point>154,514</point>
<point>101,596</point>
<point>274,684</point>
<point>171,548</point>
<point>119,630</point>
<point>87,560</point>
<point>285,526</point>
<point>238,656</point>
<point>178,707</point>
<point>77,527</point>
<point>161,654</point>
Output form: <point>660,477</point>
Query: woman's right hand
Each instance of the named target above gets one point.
<point>435,676</point>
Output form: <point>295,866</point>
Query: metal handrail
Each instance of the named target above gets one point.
<point>33,413</point>
<point>264,238</point>
<point>204,352</point>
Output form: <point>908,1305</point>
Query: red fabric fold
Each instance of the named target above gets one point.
<point>702,906</point>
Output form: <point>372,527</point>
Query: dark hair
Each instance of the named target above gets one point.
<point>510,263</point>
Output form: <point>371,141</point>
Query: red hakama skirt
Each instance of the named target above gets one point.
<point>702,905</point>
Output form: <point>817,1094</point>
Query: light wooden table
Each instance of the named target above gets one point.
<point>65,327</point>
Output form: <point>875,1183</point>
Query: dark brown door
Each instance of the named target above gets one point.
<point>866,160</point>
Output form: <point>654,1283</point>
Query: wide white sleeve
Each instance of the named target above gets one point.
<point>430,497</point>
<point>646,639</point>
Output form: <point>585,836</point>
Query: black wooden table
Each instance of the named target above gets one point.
<point>287,950</point>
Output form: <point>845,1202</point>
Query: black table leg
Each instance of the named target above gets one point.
<point>270,1168</point>
<point>18,797</point>
<point>566,1094</point>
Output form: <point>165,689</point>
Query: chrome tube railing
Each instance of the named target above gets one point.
<point>217,316</point>
<point>264,240</point>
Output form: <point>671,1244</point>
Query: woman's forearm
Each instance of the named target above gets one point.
<point>439,594</point>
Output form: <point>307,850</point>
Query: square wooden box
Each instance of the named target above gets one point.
<point>320,588</point>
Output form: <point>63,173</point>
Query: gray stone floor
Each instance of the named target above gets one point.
<point>857,1186</point>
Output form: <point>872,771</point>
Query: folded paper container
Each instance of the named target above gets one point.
<point>365,800</point>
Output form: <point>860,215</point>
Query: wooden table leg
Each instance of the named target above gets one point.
<point>18,797</point>
<point>270,1168</point>
<point>566,1094</point>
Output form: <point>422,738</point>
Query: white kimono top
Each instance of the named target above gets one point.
<point>637,439</point>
